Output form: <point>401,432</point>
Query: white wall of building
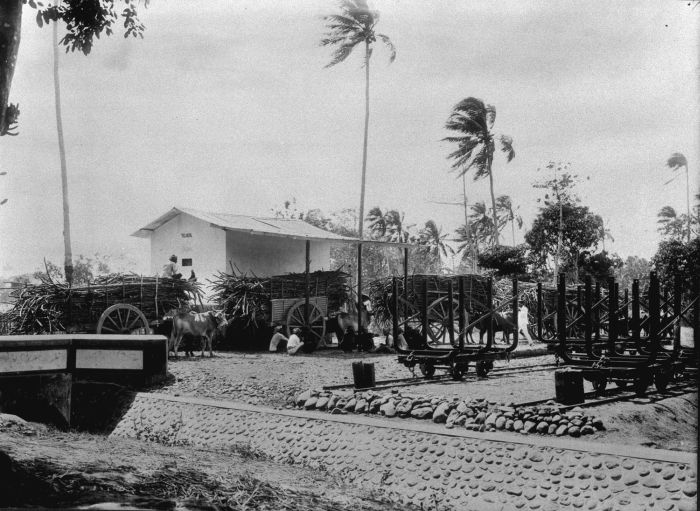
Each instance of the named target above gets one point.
<point>189,238</point>
<point>274,255</point>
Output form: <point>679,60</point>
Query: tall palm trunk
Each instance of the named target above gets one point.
<point>467,226</point>
<point>364,145</point>
<point>687,198</point>
<point>493,201</point>
<point>10,31</point>
<point>68,258</point>
<point>560,240</point>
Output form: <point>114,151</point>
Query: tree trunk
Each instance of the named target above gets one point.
<point>493,202</point>
<point>560,240</point>
<point>364,145</point>
<point>10,31</point>
<point>68,259</point>
<point>512,226</point>
<point>467,227</point>
<point>687,198</point>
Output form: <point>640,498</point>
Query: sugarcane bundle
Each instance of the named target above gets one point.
<point>57,307</point>
<point>246,296</point>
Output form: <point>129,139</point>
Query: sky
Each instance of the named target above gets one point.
<point>227,107</point>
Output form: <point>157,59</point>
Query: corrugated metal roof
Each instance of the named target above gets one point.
<point>253,225</point>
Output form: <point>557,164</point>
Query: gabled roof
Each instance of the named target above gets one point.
<point>297,229</point>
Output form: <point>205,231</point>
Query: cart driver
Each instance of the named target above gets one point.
<point>171,269</point>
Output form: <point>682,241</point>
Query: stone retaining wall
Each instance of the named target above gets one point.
<point>455,469</point>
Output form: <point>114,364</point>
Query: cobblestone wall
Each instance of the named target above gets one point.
<point>456,472</point>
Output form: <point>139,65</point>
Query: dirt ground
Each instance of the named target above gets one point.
<point>45,467</point>
<point>269,378</point>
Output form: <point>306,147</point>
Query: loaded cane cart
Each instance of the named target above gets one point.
<point>443,317</point>
<point>295,300</point>
<point>114,304</point>
<point>650,361</point>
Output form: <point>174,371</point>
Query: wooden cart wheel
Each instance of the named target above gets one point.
<point>122,318</point>
<point>428,370</point>
<point>439,320</point>
<point>297,319</point>
<point>573,312</point>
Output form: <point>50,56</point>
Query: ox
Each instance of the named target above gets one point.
<point>500,324</point>
<point>204,325</point>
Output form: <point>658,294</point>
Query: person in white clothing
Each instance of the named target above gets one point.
<point>523,321</point>
<point>278,341</point>
<point>294,343</point>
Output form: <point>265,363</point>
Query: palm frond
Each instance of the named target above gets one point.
<point>341,53</point>
<point>676,161</point>
<point>392,49</point>
<point>507,147</point>
<point>490,116</point>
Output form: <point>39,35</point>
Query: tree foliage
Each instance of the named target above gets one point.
<point>678,259</point>
<point>580,231</point>
<point>85,21</point>
<point>476,141</point>
<point>600,266</point>
<point>505,260</point>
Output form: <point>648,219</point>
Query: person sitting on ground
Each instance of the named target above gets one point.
<point>347,344</point>
<point>294,343</point>
<point>193,277</point>
<point>171,270</point>
<point>278,341</point>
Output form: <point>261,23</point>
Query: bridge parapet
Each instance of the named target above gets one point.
<point>42,375</point>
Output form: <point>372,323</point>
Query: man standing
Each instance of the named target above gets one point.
<point>523,321</point>
<point>294,342</point>
<point>171,270</point>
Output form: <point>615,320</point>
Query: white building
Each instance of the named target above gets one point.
<point>207,243</point>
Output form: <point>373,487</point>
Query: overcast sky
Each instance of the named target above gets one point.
<point>227,107</point>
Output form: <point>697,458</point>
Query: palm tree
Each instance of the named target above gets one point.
<point>355,25</point>
<point>398,231</point>
<point>482,223</point>
<point>505,205</point>
<point>377,222</point>
<point>675,162</point>
<point>670,223</point>
<point>433,239</point>
<point>68,257</point>
<point>473,120</point>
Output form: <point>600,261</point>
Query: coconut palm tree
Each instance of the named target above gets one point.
<point>433,239</point>
<point>671,224</point>
<point>509,214</point>
<point>377,222</point>
<point>476,143</point>
<point>482,223</point>
<point>355,25</point>
<point>68,254</point>
<point>675,162</point>
<point>397,229</point>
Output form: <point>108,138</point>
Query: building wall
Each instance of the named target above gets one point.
<point>274,255</point>
<point>189,238</point>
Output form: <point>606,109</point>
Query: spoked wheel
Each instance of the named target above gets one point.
<point>428,370</point>
<point>458,371</point>
<point>122,318</point>
<point>439,320</point>
<point>483,367</point>
<point>574,313</point>
<point>316,324</point>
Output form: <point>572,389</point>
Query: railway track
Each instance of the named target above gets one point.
<point>619,394</point>
<point>418,380</point>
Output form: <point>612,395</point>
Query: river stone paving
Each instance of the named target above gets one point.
<point>450,470</point>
